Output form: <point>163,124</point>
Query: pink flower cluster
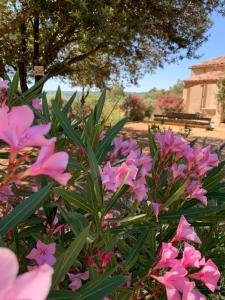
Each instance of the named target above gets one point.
<point>33,285</point>
<point>188,165</point>
<point>133,170</point>
<point>17,131</point>
<point>179,271</point>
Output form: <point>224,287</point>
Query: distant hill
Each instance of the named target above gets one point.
<point>68,94</point>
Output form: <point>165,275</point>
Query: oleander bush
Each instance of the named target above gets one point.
<point>170,103</point>
<point>86,215</point>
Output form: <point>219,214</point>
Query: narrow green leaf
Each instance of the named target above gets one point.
<point>66,260</point>
<point>69,103</point>
<point>99,106</point>
<point>24,210</point>
<point>136,249</point>
<point>75,199</point>
<point>175,196</point>
<point>45,107</point>
<point>100,287</point>
<point>119,193</point>
<point>12,91</point>
<point>151,142</point>
<point>68,129</point>
<point>63,295</point>
<point>107,141</point>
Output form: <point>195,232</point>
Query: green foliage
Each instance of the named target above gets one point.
<point>92,42</point>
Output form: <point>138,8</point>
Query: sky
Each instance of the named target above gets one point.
<point>166,77</point>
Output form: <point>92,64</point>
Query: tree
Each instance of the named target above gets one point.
<point>177,88</point>
<point>92,42</point>
<point>116,92</point>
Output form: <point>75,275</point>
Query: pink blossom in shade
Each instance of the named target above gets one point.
<point>34,285</point>
<point>156,207</point>
<point>17,131</point>
<point>111,215</point>
<point>102,136</point>
<point>185,232</point>
<point>128,146</point>
<point>174,281</point>
<point>51,164</point>
<point>126,175</point>
<point>168,254</point>
<point>43,253</point>
<point>106,258</point>
<point>195,191</point>
<point>5,193</point>
<point>209,275</point>
<point>76,280</point>
<point>37,104</point>
<point>4,85</point>
<point>139,190</point>
<point>109,177</point>
<point>191,257</point>
<point>178,170</point>
<point>146,164</point>
<point>191,293</point>
<point>170,142</point>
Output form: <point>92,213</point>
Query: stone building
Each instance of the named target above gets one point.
<point>201,88</point>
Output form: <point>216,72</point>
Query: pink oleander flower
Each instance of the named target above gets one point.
<point>33,285</point>
<point>209,275</point>
<point>108,177</point>
<point>185,232</point>
<point>4,85</point>
<point>43,253</point>
<point>106,258</point>
<point>191,293</point>
<point>37,104</point>
<point>168,255</point>
<point>111,215</point>
<point>178,170</point>
<point>157,207</point>
<point>51,164</point>
<point>170,142</point>
<point>16,130</point>
<point>126,175</point>
<point>195,191</point>
<point>76,280</point>
<point>191,257</point>
<point>139,190</point>
<point>174,281</point>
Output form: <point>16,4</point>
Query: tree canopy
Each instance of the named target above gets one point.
<point>92,42</point>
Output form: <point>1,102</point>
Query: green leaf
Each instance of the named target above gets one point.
<point>67,259</point>
<point>68,129</point>
<point>63,295</point>
<point>32,92</point>
<point>175,196</point>
<point>99,106</point>
<point>97,289</point>
<point>152,143</point>
<point>136,249</point>
<point>119,193</point>
<point>95,175</point>
<point>45,107</point>
<point>106,143</point>
<point>12,91</point>
<point>69,103</point>
<point>24,210</point>
<point>75,199</point>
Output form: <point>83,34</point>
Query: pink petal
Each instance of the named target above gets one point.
<point>57,162</point>
<point>20,118</point>
<point>8,269</point>
<point>34,136</point>
<point>75,284</point>
<point>34,285</point>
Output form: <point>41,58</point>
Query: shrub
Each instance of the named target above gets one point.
<point>113,222</point>
<point>134,108</point>
<point>170,103</point>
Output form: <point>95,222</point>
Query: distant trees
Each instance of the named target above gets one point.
<point>93,42</point>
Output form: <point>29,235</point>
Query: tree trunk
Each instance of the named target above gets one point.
<point>22,62</point>
<point>36,51</point>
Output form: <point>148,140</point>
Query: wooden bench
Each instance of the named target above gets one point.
<point>194,120</point>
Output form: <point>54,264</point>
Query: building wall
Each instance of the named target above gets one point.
<point>192,98</point>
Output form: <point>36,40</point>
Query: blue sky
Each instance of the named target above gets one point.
<point>164,78</point>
